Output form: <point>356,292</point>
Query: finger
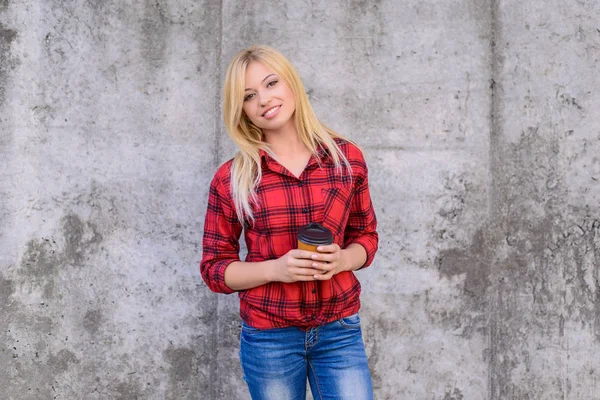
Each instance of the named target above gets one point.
<point>324,267</point>
<point>299,263</point>
<point>324,277</point>
<point>330,248</point>
<point>302,254</point>
<point>303,278</point>
<point>304,271</point>
<point>326,257</point>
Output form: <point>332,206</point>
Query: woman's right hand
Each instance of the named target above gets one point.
<point>295,266</point>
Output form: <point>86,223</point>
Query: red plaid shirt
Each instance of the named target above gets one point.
<point>286,203</point>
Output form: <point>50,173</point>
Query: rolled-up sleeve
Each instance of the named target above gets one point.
<point>362,222</point>
<point>220,242</point>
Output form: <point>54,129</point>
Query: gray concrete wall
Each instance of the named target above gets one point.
<point>478,120</point>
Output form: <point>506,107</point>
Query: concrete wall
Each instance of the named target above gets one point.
<point>478,119</point>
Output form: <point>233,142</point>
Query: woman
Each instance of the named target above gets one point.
<point>299,308</point>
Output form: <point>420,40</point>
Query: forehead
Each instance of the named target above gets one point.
<point>256,71</point>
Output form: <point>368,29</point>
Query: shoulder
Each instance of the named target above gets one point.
<point>355,158</point>
<point>352,152</point>
<point>225,168</point>
<point>222,177</point>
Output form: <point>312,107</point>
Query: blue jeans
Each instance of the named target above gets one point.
<point>276,362</point>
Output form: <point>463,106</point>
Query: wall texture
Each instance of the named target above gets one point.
<point>478,120</point>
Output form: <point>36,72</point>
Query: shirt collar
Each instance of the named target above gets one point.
<point>322,155</point>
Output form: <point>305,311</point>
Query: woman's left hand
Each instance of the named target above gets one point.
<point>330,260</point>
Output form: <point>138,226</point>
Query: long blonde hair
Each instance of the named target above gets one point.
<point>246,170</point>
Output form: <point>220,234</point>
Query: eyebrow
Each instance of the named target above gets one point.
<point>266,77</point>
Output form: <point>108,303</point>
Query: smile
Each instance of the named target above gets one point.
<point>271,112</point>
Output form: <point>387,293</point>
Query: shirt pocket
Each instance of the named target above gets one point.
<point>337,202</point>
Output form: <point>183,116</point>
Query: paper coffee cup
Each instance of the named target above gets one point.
<point>314,235</point>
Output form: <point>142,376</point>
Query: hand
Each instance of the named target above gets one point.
<point>330,261</point>
<point>296,265</point>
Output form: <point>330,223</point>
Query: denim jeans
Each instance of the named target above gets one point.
<point>277,362</point>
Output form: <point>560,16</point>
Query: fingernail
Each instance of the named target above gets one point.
<point>319,248</point>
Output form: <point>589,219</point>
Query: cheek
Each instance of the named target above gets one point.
<point>248,111</point>
<point>290,99</point>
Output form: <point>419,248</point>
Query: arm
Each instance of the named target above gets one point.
<point>361,228</point>
<point>353,257</point>
<point>295,266</point>
<point>220,242</point>
<point>247,275</point>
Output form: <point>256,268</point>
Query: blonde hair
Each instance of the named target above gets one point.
<point>246,168</point>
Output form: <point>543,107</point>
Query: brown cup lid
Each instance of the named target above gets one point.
<point>315,234</point>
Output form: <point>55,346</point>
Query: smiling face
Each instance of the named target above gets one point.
<point>268,101</point>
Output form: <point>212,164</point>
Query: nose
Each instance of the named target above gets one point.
<point>264,98</point>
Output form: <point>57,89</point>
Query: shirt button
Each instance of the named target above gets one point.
<point>305,210</point>
<point>314,290</point>
<point>313,316</point>
<point>299,184</point>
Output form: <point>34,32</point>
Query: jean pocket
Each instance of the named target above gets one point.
<point>352,321</point>
<point>248,329</point>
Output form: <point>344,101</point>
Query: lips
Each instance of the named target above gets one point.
<point>271,112</point>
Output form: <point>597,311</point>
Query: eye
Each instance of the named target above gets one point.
<point>248,97</point>
<point>272,83</point>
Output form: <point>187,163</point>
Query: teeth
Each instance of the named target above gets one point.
<point>271,111</point>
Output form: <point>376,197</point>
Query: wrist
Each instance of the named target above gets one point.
<point>354,256</point>
<point>345,262</point>
<point>270,274</point>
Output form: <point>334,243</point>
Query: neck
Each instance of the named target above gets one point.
<point>285,142</point>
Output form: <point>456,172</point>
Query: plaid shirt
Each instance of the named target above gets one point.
<point>286,203</point>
